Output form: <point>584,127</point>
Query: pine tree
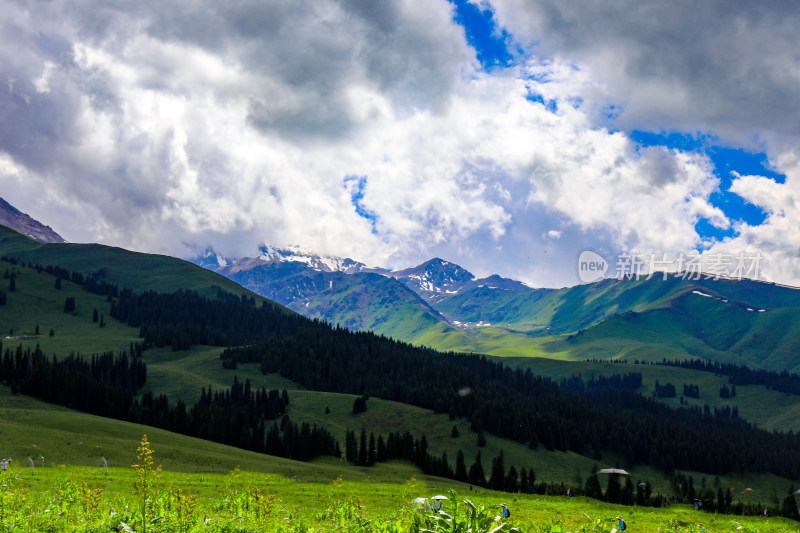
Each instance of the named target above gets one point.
<point>498,475</point>
<point>789,507</point>
<point>362,448</point>
<point>476,475</point>
<point>511,482</point>
<point>454,433</point>
<point>351,448</point>
<point>593,489</point>
<point>613,492</point>
<point>380,452</point>
<point>371,452</point>
<point>461,468</point>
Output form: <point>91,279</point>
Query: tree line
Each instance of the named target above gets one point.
<point>783,381</point>
<point>575,383</point>
<point>510,403</point>
<point>106,385</point>
<point>101,384</point>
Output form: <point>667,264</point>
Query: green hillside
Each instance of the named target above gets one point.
<point>706,325</point>
<point>764,407</point>
<point>36,301</point>
<point>37,304</point>
<point>134,270</point>
<point>380,304</point>
<point>65,437</point>
<point>651,335</point>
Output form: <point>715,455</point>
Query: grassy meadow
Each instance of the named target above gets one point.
<point>74,498</point>
<point>267,493</point>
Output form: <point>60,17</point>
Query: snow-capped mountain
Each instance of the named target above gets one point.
<point>211,260</point>
<point>434,279</point>
<point>348,292</point>
<point>322,263</point>
<point>496,282</point>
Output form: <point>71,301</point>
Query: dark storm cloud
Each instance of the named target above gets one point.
<point>315,49</point>
<point>732,67</point>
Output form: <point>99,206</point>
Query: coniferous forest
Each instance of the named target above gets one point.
<point>605,415</point>
<point>508,403</point>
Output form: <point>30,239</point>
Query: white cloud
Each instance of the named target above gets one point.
<point>777,239</point>
<point>175,123</point>
<point>729,68</point>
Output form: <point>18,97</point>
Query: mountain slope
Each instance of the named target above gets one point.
<point>433,280</point>
<point>135,270</point>
<point>709,325</point>
<point>10,216</point>
<point>314,403</point>
<point>446,307</point>
<point>339,291</point>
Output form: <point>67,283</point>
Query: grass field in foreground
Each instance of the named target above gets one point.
<point>54,499</point>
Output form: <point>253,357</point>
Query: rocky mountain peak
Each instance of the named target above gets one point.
<point>13,218</point>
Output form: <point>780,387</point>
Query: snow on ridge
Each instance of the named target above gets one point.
<point>320,263</point>
<point>702,294</point>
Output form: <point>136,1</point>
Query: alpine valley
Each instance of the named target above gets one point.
<point>442,305</point>
<point>313,366</point>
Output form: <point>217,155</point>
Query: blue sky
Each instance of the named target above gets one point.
<point>503,135</point>
<point>495,49</point>
<point>727,161</point>
<point>490,42</point>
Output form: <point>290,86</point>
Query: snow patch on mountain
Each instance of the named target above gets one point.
<point>321,263</point>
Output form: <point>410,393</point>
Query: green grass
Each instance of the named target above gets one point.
<point>769,409</point>
<point>134,270</point>
<point>70,438</point>
<point>37,303</point>
<point>183,374</point>
<point>308,506</point>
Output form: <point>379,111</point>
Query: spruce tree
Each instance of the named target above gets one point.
<point>498,475</point>
<point>461,468</point>
<point>511,483</point>
<point>476,475</point>
<point>613,490</point>
<point>362,448</point>
<point>371,452</point>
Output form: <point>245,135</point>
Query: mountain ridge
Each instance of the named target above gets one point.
<point>13,218</point>
<point>454,310</point>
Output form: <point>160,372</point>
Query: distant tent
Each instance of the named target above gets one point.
<point>617,471</point>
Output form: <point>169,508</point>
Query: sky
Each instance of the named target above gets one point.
<point>508,136</point>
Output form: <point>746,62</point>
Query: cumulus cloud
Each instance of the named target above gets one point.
<point>154,125</point>
<point>730,68</point>
<point>777,240</point>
